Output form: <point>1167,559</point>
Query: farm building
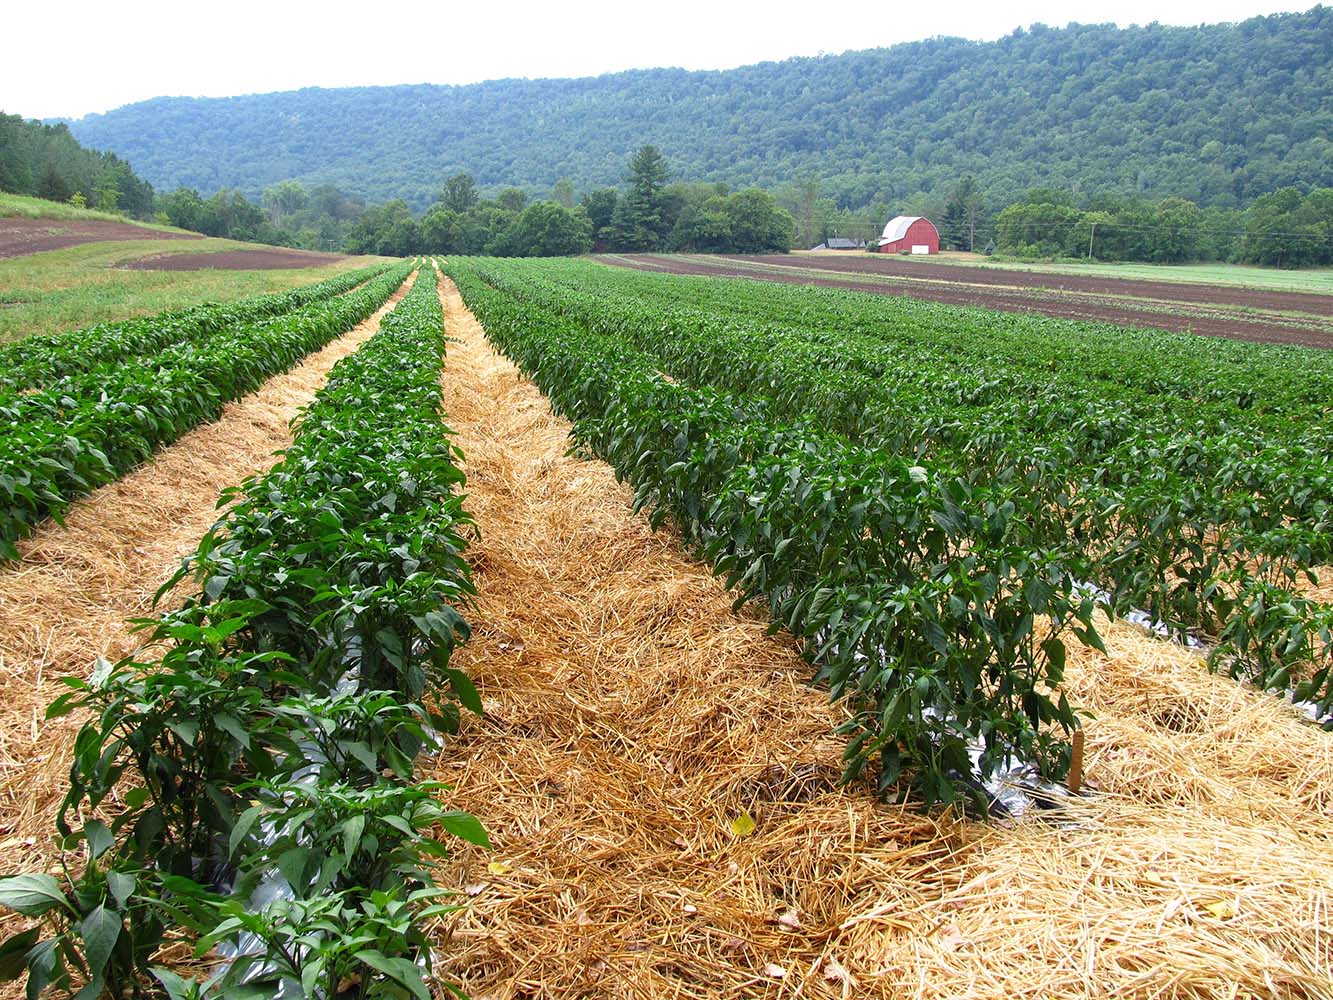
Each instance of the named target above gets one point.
<point>909,233</point>
<point>841,243</point>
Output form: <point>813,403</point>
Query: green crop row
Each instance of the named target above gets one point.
<point>257,775</point>
<point>931,561</point>
<point>919,597</point>
<point>1204,510</point>
<point>89,429</point>
<point>39,361</point>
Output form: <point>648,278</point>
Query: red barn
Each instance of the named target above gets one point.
<point>910,233</point>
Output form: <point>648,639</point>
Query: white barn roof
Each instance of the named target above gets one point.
<point>897,228</point>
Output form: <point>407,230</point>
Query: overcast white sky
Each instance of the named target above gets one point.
<point>81,57</point>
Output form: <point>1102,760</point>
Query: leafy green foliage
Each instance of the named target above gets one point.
<point>1218,114</point>
<point>922,494</point>
<point>38,361</point>
<point>90,427</point>
<point>277,727</point>
<point>47,161</point>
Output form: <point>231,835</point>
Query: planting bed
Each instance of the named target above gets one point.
<point>20,236</point>
<point>917,493</point>
<point>233,260</point>
<point>632,718</point>
<point>1243,314</point>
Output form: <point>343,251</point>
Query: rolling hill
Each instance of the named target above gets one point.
<point>1218,114</point>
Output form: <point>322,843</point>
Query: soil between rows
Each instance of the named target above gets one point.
<point>631,717</point>
<point>1240,314</point>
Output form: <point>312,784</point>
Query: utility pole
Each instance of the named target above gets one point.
<point>1090,236</point>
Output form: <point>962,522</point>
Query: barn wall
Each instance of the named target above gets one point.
<point>919,232</point>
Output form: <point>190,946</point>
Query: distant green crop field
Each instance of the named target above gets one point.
<point>82,285</point>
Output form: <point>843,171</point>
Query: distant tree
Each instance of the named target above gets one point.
<point>1040,229</point>
<point>442,230</point>
<point>639,222</point>
<point>387,229</point>
<point>1176,236</point>
<point>460,193</point>
<point>600,207</point>
<point>563,192</point>
<point>703,228</point>
<point>284,200</point>
<point>234,216</point>
<point>758,225</point>
<point>186,210</point>
<point>808,221</point>
<point>107,194</point>
<point>548,229</point>
<point>512,199</point>
<point>53,186</point>
<point>963,215</point>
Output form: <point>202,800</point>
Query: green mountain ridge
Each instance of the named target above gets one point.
<point>1218,114</point>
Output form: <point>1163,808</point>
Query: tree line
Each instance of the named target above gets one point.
<point>46,161</point>
<point>648,214</point>
<point>1285,228</point>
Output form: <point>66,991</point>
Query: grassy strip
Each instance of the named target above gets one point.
<point>38,361</point>
<point>273,740</point>
<point>26,207</point>
<point>89,429</point>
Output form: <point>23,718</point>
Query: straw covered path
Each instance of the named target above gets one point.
<point>631,718</point>
<point>66,601</point>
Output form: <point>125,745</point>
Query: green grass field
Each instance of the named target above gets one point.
<point>82,285</point>
<point>24,207</point>
<point>1317,280</point>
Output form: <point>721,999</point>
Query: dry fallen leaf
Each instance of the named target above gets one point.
<point>475,889</point>
<point>790,920</point>
<point>580,918</point>
<point>742,825</point>
<point>775,971</point>
<point>690,908</point>
<point>1222,909</point>
<point>497,868</point>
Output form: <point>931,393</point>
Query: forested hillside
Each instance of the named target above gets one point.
<point>1217,114</point>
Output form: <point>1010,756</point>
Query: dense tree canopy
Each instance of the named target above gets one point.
<point>1285,228</point>
<point>1218,115</point>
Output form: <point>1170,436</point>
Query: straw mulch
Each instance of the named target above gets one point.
<point>66,601</point>
<point>632,718</point>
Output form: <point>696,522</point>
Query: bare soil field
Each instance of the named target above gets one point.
<point>20,237</point>
<point>1209,310</point>
<point>233,260</point>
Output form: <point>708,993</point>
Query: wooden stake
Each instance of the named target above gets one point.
<point>1076,763</point>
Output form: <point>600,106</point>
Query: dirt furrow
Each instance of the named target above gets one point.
<point>67,599</point>
<point>632,719</point>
